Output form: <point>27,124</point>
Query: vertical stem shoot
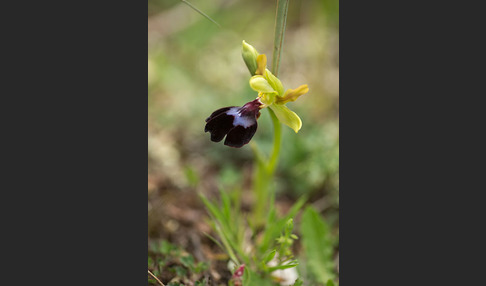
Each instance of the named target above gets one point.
<point>280,23</point>
<point>264,172</point>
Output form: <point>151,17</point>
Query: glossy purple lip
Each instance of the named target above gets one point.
<point>238,124</point>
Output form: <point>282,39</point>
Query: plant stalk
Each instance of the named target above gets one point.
<point>264,174</point>
<point>277,138</point>
<point>280,23</point>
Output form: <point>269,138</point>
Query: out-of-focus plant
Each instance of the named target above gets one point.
<point>262,252</point>
<point>318,247</point>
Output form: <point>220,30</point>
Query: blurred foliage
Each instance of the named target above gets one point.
<point>318,248</point>
<point>164,255</point>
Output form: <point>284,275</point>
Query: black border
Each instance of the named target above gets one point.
<point>408,127</point>
<point>75,150</point>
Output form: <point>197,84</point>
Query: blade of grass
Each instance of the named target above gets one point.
<point>226,244</point>
<point>221,225</point>
<point>200,12</point>
<point>214,240</point>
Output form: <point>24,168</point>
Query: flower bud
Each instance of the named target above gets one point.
<point>290,225</point>
<point>250,57</point>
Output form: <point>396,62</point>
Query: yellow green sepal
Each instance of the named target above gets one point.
<point>260,84</point>
<point>287,116</point>
<point>274,82</point>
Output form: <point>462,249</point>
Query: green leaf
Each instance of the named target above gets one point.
<point>298,282</point>
<point>287,116</point>
<point>200,267</point>
<point>270,256</point>
<point>221,227</point>
<point>188,261</point>
<point>226,211</point>
<point>214,240</point>
<point>203,282</point>
<point>276,226</point>
<point>289,226</point>
<point>251,278</point>
<point>285,266</point>
<point>150,262</point>
<point>317,245</point>
<point>166,247</point>
<point>192,176</point>
<point>179,270</point>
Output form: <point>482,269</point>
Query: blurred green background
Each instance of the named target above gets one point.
<point>195,67</point>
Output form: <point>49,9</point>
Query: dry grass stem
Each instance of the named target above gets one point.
<point>153,276</point>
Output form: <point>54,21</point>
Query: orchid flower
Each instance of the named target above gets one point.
<point>271,91</point>
<point>239,124</point>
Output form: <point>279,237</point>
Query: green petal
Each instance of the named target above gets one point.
<point>274,82</point>
<point>287,116</point>
<point>260,84</point>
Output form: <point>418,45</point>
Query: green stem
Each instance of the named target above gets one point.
<point>277,138</point>
<point>264,171</point>
<point>280,23</point>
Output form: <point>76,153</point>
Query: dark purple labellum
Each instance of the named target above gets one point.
<point>238,124</point>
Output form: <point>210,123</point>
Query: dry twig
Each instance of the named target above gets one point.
<point>160,282</point>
